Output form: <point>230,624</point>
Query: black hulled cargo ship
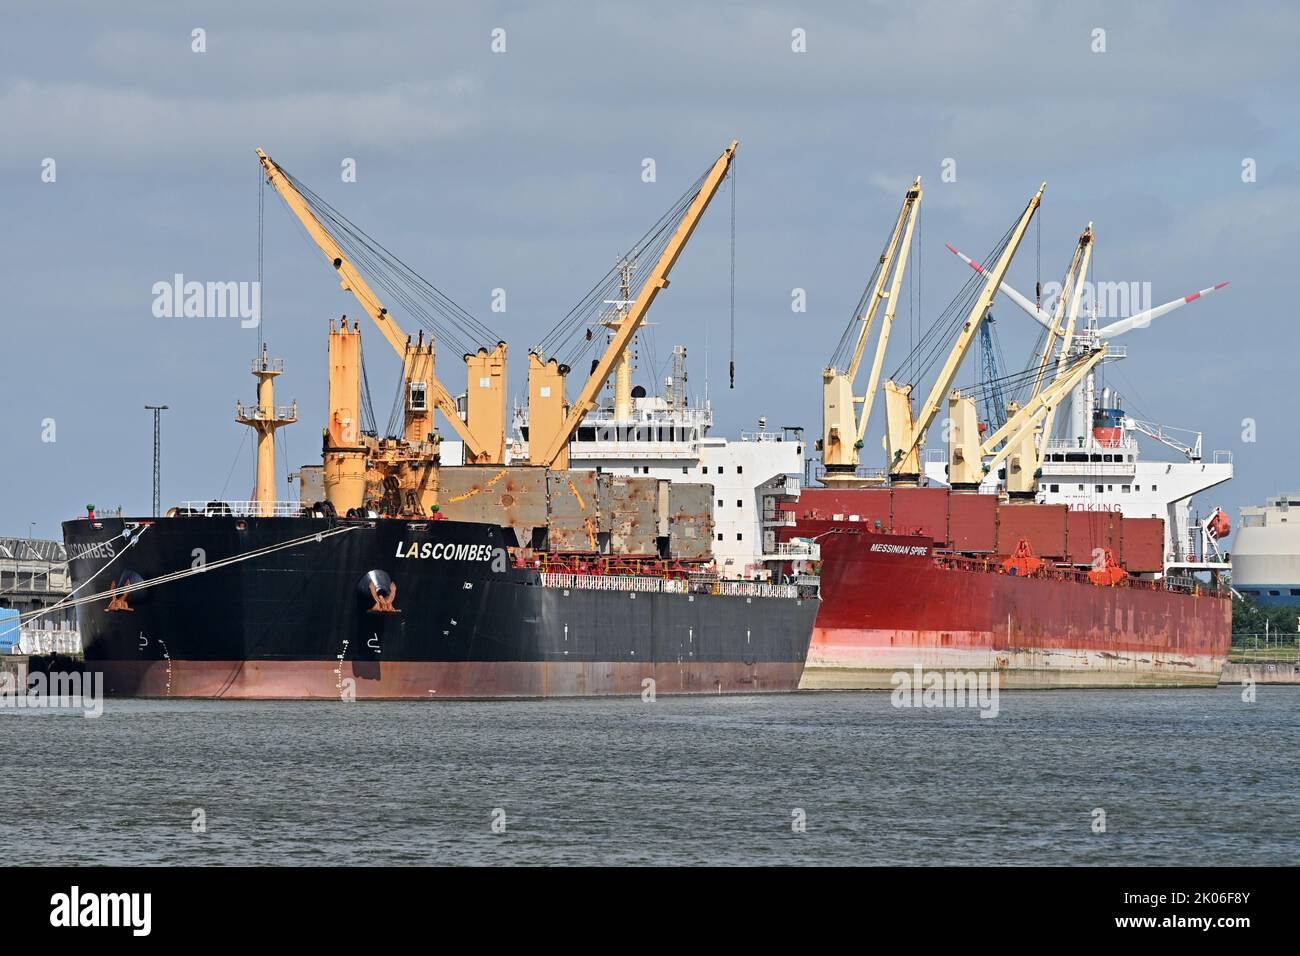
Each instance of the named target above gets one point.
<point>407,572</point>
<point>390,608</point>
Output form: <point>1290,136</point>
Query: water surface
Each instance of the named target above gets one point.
<point>1184,777</point>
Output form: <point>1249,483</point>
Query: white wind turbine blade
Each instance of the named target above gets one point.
<point>1034,311</point>
<point>1143,319</point>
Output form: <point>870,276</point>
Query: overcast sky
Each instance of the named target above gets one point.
<point>522,170</point>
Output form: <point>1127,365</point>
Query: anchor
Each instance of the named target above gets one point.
<point>383,602</point>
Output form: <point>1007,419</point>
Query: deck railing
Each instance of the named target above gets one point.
<point>215,508</point>
<point>1051,572</point>
<point>630,582</point>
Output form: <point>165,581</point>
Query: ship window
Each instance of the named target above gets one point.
<point>704,469</point>
<point>1110,487</point>
<point>1137,487</point>
<point>739,503</point>
<point>740,469</point>
<point>1130,457</point>
<point>719,535</point>
<point>719,502</point>
<point>1080,487</point>
<point>1154,488</point>
<point>741,537</point>
<point>1098,487</point>
<point>1125,487</point>
<point>1056,488</point>
<point>1096,457</point>
<point>1107,457</point>
<point>1295,592</point>
<point>685,470</point>
<point>1270,593</point>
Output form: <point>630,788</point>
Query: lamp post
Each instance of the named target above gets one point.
<point>157,440</point>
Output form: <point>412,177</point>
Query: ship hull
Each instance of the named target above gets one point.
<point>299,621</point>
<point>477,680</point>
<point>890,606</point>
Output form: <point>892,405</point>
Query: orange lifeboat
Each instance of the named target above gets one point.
<point>1023,563</point>
<point>1110,573</point>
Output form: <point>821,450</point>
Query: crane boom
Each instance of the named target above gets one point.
<point>1029,417</point>
<point>351,280</point>
<point>657,280</point>
<point>1062,328</point>
<point>844,423</point>
<point>1045,400</point>
<point>905,437</point>
<point>912,206</point>
<point>1074,288</point>
<point>878,293</point>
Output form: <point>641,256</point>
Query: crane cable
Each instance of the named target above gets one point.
<point>574,331</point>
<point>431,307</point>
<point>936,342</point>
<point>261,208</point>
<point>63,602</point>
<point>368,424</point>
<point>848,340</point>
<point>731,173</point>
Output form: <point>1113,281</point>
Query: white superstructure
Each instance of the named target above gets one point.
<point>667,437</point>
<point>1093,462</point>
<point>1106,472</point>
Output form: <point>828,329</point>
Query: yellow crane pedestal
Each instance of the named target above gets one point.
<point>264,418</point>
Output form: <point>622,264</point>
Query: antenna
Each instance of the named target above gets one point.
<point>157,445</point>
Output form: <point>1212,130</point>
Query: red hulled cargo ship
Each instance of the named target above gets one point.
<point>1041,595</point>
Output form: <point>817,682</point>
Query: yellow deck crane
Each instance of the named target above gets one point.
<point>1023,482</point>
<point>844,425</point>
<point>905,432</point>
<point>1018,434</point>
<point>967,451</point>
<point>484,426</point>
<point>551,420</point>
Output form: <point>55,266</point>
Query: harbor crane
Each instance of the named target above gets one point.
<point>994,402</point>
<point>844,414</point>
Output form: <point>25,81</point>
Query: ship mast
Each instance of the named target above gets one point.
<point>264,418</point>
<point>623,371</point>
